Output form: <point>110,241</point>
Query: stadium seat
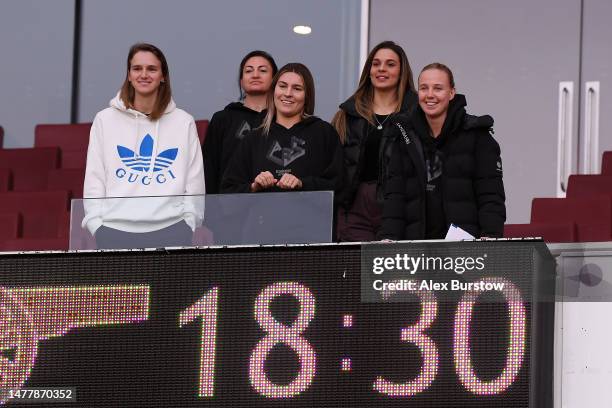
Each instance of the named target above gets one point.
<point>201,126</point>
<point>606,164</point>
<point>592,215</point>
<point>53,201</point>
<point>74,160</point>
<point>72,139</point>
<point>67,179</point>
<point>42,224</point>
<point>5,180</point>
<point>557,232</point>
<point>10,224</point>
<point>587,185</point>
<point>29,166</point>
<point>42,213</point>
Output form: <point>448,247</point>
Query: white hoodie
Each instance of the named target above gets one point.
<point>130,155</point>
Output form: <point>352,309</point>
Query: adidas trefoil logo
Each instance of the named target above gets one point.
<point>140,163</point>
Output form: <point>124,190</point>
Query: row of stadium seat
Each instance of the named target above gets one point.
<point>585,215</point>
<point>37,184</point>
<point>34,220</point>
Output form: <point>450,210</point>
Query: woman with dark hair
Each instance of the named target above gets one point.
<point>229,126</point>
<point>445,168</point>
<point>291,150</point>
<point>385,92</point>
<point>143,146</point>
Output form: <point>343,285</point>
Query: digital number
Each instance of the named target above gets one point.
<point>516,348</point>
<point>414,334</point>
<point>206,308</point>
<point>462,355</point>
<point>278,333</point>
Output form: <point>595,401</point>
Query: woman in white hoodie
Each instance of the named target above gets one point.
<point>143,146</point>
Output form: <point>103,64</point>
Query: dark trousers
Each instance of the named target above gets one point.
<point>361,222</point>
<point>179,234</point>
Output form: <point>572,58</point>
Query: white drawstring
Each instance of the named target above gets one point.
<point>154,152</point>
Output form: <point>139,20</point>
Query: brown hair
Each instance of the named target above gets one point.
<point>164,92</point>
<point>309,97</point>
<point>441,67</point>
<point>364,95</point>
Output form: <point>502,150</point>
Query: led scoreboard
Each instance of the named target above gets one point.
<point>272,327</point>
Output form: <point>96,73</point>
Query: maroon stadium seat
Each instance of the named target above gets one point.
<point>201,126</point>
<point>587,185</point>
<point>5,180</point>
<point>74,160</point>
<point>10,224</point>
<point>29,166</point>
<point>606,164</point>
<point>67,179</point>
<point>58,238</point>
<point>592,215</point>
<point>72,139</point>
<point>43,224</point>
<point>43,214</point>
<point>53,201</point>
<point>559,232</point>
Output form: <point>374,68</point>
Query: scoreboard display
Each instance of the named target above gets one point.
<point>268,327</point>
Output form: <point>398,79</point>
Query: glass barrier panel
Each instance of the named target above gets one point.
<point>222,219</point>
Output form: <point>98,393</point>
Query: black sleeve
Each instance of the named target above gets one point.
<point>331,178</point>
<point>489,187</point>
<point>212,150</point>
<point>238,173</point>
<point>393,218</point>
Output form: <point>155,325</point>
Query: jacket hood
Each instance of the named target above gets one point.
<point>478,122</point>
<point>456,118</point>
<point>455,114</point>
<point>118,104</point>
<point>410,99</point>
<point>239,106</point>
<point>303,124</point>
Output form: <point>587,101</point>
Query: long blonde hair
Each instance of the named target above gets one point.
<point>309,91</point>
<point>364,95</point>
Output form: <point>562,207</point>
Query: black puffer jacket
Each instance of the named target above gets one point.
<point>357,129</point>
<point>472,187</point>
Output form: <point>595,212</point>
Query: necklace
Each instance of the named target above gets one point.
<point>380,124</point>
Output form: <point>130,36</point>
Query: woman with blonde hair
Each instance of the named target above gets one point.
<point>292,149</point>
<point>445,169</point>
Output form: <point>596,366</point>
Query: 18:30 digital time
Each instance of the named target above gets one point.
<point>292,336</point>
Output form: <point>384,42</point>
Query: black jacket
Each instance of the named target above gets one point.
<point>357,129</point>
<point>471,182</point>
<point>226,129</point>
<point>310,150</point>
